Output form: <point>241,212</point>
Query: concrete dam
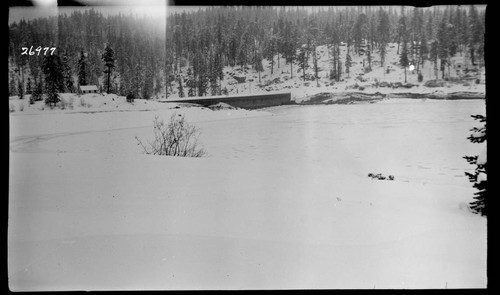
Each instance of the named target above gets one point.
<point>253,101</point>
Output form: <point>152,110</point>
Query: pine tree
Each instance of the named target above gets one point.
<point>480,203</point>
<point>347,63</point>
<point>360,32</point>
<point>443,50</point>
<point>137,80</point>
<point>82,69</point>
<point>315,62</point>
<point>158,85</point>
<point>190,83</point>
<point>403,58</point>
<point>383,30</point>
<point>29,87</point>
<point>290,45</point>
<point>424,50</point>
<point>33,91</point>
<point>20,90</point>
<point>433,56</point>
<point>475,33</point>
<point>258,63</point>
<point>54,80</point>
<point>180,88</point>
<point>242,57</point>
<point>37,94</point>
<point>212,70</point>
<point>148,83</point>
<point>270,50</point>
<point>67,73</point>
<point>12,87</point>
<point>369,56</point>
<point>302,60</point>
<point>109,62</point>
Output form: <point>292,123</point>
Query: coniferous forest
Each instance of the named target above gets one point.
<point>132,55</point>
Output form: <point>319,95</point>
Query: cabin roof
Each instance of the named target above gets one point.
<point>88,87</point>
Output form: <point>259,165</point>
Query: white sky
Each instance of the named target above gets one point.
<point>153,8</point>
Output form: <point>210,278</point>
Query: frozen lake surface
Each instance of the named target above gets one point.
<point>281,201</point>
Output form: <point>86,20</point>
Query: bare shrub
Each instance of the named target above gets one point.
<point>82,102</point>
<point>12,108</point>
<point>64,104</point>
<point>177,138</point>
<point>21,107</point>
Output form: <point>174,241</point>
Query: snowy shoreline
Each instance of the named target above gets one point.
<point>356,96</point>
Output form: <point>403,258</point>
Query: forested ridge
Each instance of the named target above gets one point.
<point>138,44</point>
<point>193,49</point>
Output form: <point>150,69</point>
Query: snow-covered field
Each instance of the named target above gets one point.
<point>282,200</point>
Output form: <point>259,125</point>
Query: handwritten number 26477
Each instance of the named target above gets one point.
<point>38,49</point>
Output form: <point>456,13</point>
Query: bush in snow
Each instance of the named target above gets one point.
<point>177,138</point>
<point>12,108</point>
<point>420,77</point>
<point>83,103</point>
<point>478,178</point>
<point>130,97</point>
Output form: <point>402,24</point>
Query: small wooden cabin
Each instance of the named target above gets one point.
<point>88,89</point>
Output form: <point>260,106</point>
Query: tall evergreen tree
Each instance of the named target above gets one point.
<point>348,63</point>
<point>180,88</point>
<point>29,87</point>
<point>20,90</point>
<point>443,42</point>
<point>148,83</point>
<point>291,43</point>
<point>302,60</point>
<point>315,62</point>
<point>190,83</point>
<point>67,73</point>
<point>475,33</point>
<point>403,58</point>
<point>54,80</point>
<point>360,31</point>
<point>270,48</point>
<point>383,30</point>
<point>424,50</point>
<point>109,62</point>
<point>258,63</point>
<point>12,87</point>
<point>82,69</point>
<point>137,81</point>
<point>158,84</point>
<point>369,56</point>
<point>433,56</point>
<point>37,94</point>
<point>480,203</point>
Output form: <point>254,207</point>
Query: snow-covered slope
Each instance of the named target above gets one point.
<point>283,79</point>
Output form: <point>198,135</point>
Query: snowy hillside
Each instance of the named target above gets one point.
<point>283,79</point>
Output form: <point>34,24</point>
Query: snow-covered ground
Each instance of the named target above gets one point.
<point>282,200</point>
